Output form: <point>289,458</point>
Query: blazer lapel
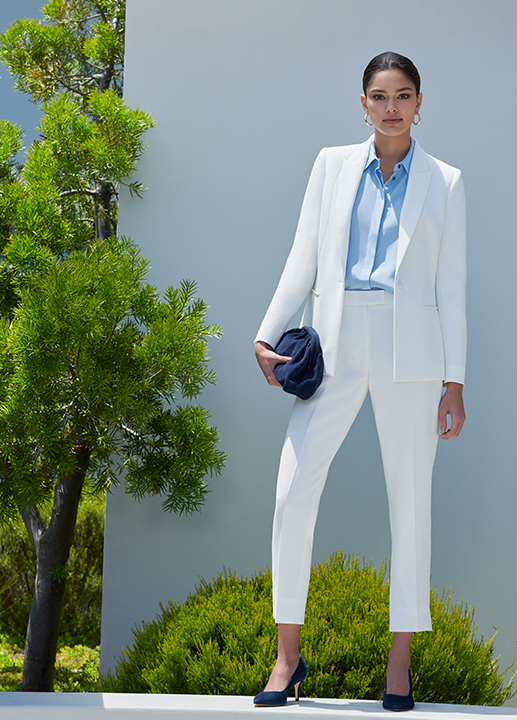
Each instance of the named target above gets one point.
<point>345,192</point>
<point>416,193</point>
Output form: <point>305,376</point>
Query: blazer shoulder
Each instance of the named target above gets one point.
<point>448,172</point>
<point>337,157</point>
<point>345,152</point>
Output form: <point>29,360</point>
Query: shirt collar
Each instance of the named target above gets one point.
<point>372,156</point>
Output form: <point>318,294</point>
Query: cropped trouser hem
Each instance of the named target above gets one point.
<point>410,619</point>
<point>406,416</point>
<point>290,613</point>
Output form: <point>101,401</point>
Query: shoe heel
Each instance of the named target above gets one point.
<point>297,691</point>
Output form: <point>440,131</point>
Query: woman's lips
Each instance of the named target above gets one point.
<point>392,121</point>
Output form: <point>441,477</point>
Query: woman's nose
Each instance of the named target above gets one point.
<point>391,106</point>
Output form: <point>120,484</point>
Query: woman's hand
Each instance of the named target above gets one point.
<point>267,359</point>
<point>452,404</point>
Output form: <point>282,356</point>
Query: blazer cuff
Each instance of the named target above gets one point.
<point>262,337</point>
<point>455,373</point>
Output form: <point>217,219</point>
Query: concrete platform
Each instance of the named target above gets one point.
<point>106,706</point>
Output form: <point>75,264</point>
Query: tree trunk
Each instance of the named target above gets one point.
<point>107,73</point>
<point>103,210</point>
<point>103,190</point>
<point>52,546</point>
<point>105,78</point>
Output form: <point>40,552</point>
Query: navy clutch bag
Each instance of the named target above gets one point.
<point>303,374</point>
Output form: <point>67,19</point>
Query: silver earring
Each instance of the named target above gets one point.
<point>418,121</point>
<point>366,118</point>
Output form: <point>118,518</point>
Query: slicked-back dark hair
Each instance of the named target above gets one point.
<point>391,61</point>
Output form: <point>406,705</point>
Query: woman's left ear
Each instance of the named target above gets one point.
<point>419,102</point>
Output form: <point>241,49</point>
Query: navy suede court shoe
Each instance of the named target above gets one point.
<point>399,702</point>
<point>275,698</point>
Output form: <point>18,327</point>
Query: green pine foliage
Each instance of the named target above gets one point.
<point>81,619</point>
<point>94,356</point>
<point>48,206</point>
<point>97,370</point>
<point>222,641</point>
<point>69,51</point>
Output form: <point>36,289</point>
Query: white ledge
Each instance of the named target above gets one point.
<point>103,706</point>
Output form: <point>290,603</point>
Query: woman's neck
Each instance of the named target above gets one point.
<point>392,149</point>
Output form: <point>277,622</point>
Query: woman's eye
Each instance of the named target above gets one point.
<point>378,97</point>
<point>404,96</point>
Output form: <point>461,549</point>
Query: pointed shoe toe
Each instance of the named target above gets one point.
<point>270,699</point>
<point>277,698</point>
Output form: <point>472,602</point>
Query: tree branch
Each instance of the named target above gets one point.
<point>34,525</point>
<point>116,321</point>
<point>129,430</point>
<point>70,193</point>
<point>72,89</point>
<point>158,372</point>
<point>87,19</point>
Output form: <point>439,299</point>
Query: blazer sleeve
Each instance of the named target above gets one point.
<point>300,269</point>
<point>451,283</point>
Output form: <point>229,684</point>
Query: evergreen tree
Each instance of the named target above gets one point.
<point>94,363</point>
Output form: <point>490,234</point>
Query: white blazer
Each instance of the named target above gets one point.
<point>429,292</point>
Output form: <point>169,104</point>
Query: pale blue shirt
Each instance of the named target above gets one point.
<point>374,226</point>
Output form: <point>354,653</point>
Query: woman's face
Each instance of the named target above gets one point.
<point>391,102</point>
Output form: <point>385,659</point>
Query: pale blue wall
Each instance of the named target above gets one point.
<point>244,95</point>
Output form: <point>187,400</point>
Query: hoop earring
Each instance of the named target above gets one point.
<point>366,120</point>
<point>418,121</point>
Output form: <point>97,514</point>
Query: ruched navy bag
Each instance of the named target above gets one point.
<point>303,374</point>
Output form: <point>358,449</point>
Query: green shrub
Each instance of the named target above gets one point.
<point>77,668</point>
<point>11,665</point>
<point>222,641</point>
<point>81,619</point>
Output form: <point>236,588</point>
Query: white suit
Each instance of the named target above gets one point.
<point>399,347</point>
<point>429,298</point>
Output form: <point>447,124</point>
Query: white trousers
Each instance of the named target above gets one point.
<point>406,415</point>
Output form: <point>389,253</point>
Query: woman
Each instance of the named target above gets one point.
<point>379,260</point>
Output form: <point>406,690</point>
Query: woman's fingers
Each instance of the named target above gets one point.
<point>267,359</point>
